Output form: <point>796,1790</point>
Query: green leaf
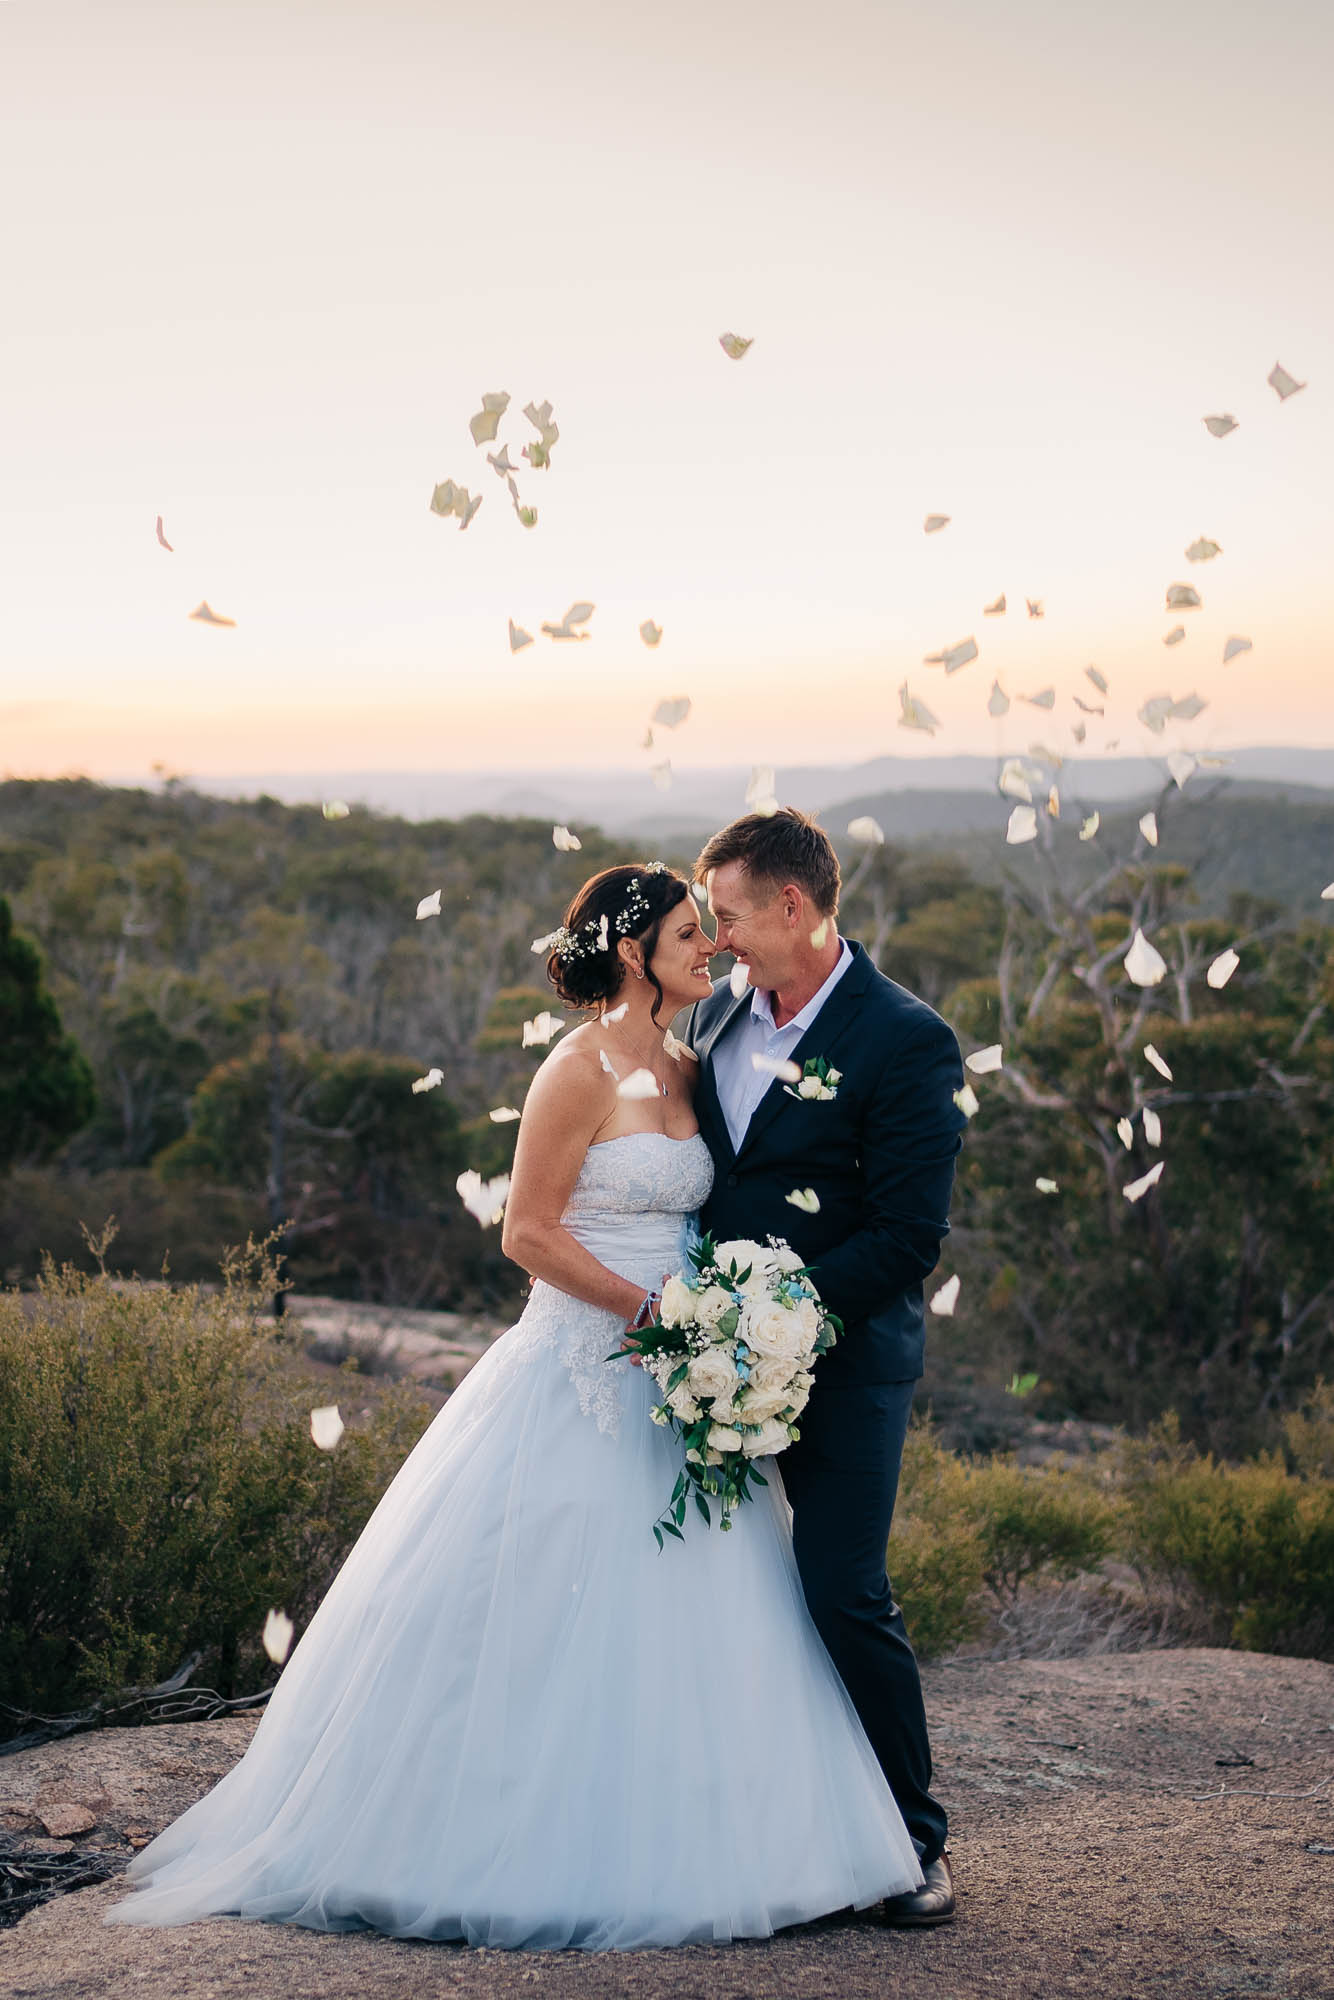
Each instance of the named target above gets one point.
<point>758,1477</point>
<point>677,1377</point>
<point>703,1506</point>
<point>1021,1385</point>
<point>657,1536</point>
<point>672,1529</point>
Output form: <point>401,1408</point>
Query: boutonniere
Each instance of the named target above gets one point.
<point>818,1081</point>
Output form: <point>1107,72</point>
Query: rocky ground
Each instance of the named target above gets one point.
<point>1124,1825</point>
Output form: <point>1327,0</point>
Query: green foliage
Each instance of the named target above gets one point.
<point>46,1086</point>
<point>159,1488</point>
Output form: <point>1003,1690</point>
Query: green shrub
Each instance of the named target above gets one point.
<point>1255,1541</point>
<point>159,1487</point>
<point>935,1551</point>
<point>1032,1519</point>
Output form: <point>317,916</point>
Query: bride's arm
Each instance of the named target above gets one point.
<point>568,1102</point>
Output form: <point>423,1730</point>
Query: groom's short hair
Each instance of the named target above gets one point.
<point>774,848</point>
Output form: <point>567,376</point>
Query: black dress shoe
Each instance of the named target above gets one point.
<point>933,1903</point>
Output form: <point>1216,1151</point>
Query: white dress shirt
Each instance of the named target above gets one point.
<point>740,1085</point>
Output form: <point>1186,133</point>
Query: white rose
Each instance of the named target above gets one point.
<point>834,1076</point>
<point>754,1255</point>
<point>729,1411</point>
<point>761,1404</point>
<point>713,1373</point>
<point>807,1315</point>
<point>810,1086</point>
<point>683,1405</point>
<point>773,1330</point>
<point>797,1400</point>
<point>723,1438</point>
<point>711,1304</point>
<point>787,1259</point>
<point>678,1303</point>
<point>769,1438</point>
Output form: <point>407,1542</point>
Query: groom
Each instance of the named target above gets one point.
<point>877,1144</point>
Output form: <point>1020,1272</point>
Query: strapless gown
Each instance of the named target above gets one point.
<point>513,1721</point>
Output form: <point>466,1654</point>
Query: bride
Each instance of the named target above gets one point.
<point>511,1720</point>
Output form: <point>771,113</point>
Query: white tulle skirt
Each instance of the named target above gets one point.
<point>513,1721</point>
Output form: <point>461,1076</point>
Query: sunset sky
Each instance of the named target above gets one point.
<point>262,258</point>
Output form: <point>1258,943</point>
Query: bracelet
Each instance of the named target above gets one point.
<point>645,1301</point>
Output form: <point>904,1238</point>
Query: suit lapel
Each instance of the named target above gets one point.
<point>834,1018</point>
<point>708,1110</point>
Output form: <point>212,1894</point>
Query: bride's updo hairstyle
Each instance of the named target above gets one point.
<point>626,902</point>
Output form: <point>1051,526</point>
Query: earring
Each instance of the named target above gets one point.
<point>639,972</point>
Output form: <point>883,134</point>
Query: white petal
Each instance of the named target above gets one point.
<point>1283,384</point>
<point>544,944</point>
<point>1203,550</point>
<point>1327,893</point>
<point>967,1101</point>
<point>761,784</point>
<point>788,1072</point>
<point>675,1049</point>
<point>485,1200</point>
<point>1023,825</point>
<point>982,1061</point>
<point>326,1426</point>
<point>671,712</point>
<point>820,933</point>
<point>276,1637</point>
<point>995,610</point>
<point>661,774</point>
<point>1045,699</point>
<point>1014,780</point>
<point>335,809</point>
<point>1222,968</point>
<point>1142,963</point>
<point>1220,426</point>
<point>934,523</point>
<point>431,1081</point>
<point>1034,607</point>
<point>1175,636</point>
<point>641,1083</point>
<point>1152,1057</point>
<point>519,638</point>
<point>1045,1186</point>
<point>1079,730</point>
<point>915,714</point>
<point>805,1199</point>
<point>738,979</point>
<point>944,1301</point>
<point>1099,680</point>
<point>1234,646</point>
<point>499,461</point>
<point>615,1014</point>
<point>539,416</point>
<point>958,656</point>
<point>1148,826</point>
<point>429,906</point>
<point>542,1029</point>
<point>564,841</point>
<point>1125,1132</point>
<point>608,1064</point>
<point>1153,1126</point>
<point>1180,763</point>
<point>504,1114</point>
<point>1182,597</point>
<point>487,421</point>
<point>1053,803</point>
<point>733,345</point>
<point>998,702</point>
<point>650,633</point>
<point>1144,1183</point>
<point>1154,712</point>
<point>867,830</point>
<point>1188,707</point>
<point>1090,826</point>
<point>204,614</point>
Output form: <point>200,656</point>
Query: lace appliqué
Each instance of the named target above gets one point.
<point>581,1335</point>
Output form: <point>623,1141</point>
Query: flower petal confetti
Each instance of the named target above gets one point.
<point>946,1299</point>
<point>641,1083</point>
<point>915,714</point>
<point>1234,646</point>
<point>578,614</point>
<point>1035,607</point>
<point>661,775</point>
<point>1046,1186</point>
<point>276,1638</point>
<point>504,1114</point>
<point>483,1199</point>
<point>1148,826</point>
<point>487,421</point>
<point>760,795</point>
<point>543,1028</point>
<point>1203,550</point>
<point>1220,426</point>
<point>564,841</point>
<point>1181,764</point>
<point>612,1015</point>
<point>998,702</point>
<point>967,1101</point>
<point>449,500</point>
<point>806,1199</point>
<point>1327,893</point>
<point>1175,636</point>
<point>739,979</point>
<point>1125,1132</point>
<point>162,539</point>
<point>786,1072</point>
<point>982,1061</point>
<point>1023,825</point>
<point>1054,803</point>
<point>867,830</point>
<point>958,656</point>
<point>519,638</point>
<point>326,1426</point>
<point>1153,1125</point>
<point>1155,1061</point>
<point>933,523</point>
<point>1045,699</point>
<point>733,345</point>
<point>1143,964</point>
<point>1090,826</point>
<point>1283,384</point>
<point>335,809</point>
<point>431,1081</point>
<point>673,1048</point>
<point>608,1065</point>
<point>1222,968</point>
<point>1099,680</point>
<point>820,933</point>
<point>204,614</point>
<point>1144,1183</point>
<point>996,610</point>
<point>1187,708</point>
<point>1016,780</point>
<point>499,461</point>
<point>539,416</point>
<point>429,906</point>
<point>650,633</point>
<point>671,712</point>
<point>1182,597</point>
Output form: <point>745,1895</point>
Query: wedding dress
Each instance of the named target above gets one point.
<point>513,1721</point>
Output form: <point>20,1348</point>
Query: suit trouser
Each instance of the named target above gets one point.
<point>841,1478</point>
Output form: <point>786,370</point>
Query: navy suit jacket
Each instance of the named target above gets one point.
<point>880,1155</point>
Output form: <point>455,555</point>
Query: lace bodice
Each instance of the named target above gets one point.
<point>633,1206</point>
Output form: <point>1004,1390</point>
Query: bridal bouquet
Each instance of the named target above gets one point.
<point>732,1349</point>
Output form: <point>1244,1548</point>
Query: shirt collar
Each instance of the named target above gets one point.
<point>761,999</point>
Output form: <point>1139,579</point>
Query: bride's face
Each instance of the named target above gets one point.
<point>680,961</point>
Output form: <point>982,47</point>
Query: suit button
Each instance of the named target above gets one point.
<point>734,1180</point>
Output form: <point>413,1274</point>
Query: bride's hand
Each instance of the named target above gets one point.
<point>634,1325</point>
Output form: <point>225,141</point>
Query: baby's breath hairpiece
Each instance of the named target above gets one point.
<point>594,934</point>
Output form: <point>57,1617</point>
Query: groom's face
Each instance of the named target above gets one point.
<point>752,925</point>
